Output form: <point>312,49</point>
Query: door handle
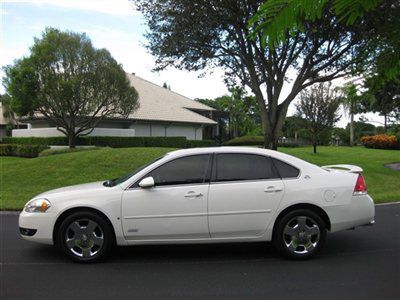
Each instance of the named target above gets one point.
<point>193,194</point>
<point>272,189</point>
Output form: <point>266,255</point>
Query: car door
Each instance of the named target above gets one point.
<point>175,208</point>
<point>245,191</point>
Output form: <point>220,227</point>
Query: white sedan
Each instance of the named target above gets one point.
<point>204,195</point>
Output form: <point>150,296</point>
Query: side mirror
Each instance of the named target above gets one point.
<point>147,182</point>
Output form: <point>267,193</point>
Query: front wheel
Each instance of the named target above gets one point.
<point>85,237</point>
<point>300,234</point>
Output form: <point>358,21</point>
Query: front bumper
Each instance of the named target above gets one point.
<point>359,212</point>
<point>37,227</point>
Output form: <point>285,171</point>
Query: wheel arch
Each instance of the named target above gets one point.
<point>318,210</point>
<point>72,210</point>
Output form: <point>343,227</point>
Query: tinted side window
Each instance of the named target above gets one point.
<point>186,170</point>
<point>286,170</point>
<point>233,167</point>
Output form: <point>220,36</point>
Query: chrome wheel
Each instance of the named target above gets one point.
<point>84,238</point>
<point>301,235</point>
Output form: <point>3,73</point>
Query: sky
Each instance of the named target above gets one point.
<point>111,24</point>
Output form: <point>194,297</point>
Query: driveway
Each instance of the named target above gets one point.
<point>356,264</point>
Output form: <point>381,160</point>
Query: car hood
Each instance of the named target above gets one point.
<point>73,189</point>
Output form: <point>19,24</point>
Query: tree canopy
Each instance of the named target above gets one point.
<point>276,18</point>
<point>70,83</point>
<point>196,35</point>
<point>242,111</point>
<point>319,107</point>
<point>382,96</point>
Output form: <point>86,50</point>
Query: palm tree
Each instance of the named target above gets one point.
<point>350,103</point>
<point>8,112</point>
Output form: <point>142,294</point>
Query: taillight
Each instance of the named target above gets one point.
<point>361,186</point>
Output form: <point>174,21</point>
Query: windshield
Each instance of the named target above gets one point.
<point>116,181</point>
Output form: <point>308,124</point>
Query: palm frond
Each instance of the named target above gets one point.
<point>275,18</point>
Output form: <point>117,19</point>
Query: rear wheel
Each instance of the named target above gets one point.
<point>85,237</point>
<point>300,234</point>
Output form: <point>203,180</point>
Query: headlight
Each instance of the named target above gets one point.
<point>37,205</point>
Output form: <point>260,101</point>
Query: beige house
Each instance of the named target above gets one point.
<point>162,112</point>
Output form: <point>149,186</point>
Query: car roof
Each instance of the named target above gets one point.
<point>249,150</point>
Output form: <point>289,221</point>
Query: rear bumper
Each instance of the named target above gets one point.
<point>360,212</point>
<point>37,227</point>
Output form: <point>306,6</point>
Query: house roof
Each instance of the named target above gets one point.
<point>157,103</point>
<point>161,104</point>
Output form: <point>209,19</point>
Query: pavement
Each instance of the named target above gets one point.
<point>355,264</point>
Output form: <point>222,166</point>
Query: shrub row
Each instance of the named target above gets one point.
<point>203,143</point>
<point>21,150</point>
<point>380,141</point>
<point>245,141</point>
<point>254,141</point>
<point>110,141</point>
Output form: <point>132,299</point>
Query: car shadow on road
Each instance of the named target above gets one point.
<point>194,253</point>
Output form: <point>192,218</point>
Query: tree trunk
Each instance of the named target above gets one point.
<point>272,133</point>
<point>351,130</point>
<point>385,120</point>
<point>71,140</point>
<point>270,139</point>
<point>314,142</point>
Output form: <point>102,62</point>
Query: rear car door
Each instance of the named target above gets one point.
<point>244,192</point>
<point>175,208</point>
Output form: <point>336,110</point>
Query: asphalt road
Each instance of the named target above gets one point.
<point>359,264</point>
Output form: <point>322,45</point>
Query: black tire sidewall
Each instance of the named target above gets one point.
<point>105,227</point>
<point>278,241</point>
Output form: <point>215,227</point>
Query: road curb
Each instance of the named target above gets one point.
<point>389,203</point>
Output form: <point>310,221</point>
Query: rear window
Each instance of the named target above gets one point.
<point>285,170</point>
<point>235,167</point>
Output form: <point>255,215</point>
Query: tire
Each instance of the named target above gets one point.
<point>85,237</point>
<point>299,234</point>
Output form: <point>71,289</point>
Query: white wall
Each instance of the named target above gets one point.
<point>49,132</point>
<point>191,132</point>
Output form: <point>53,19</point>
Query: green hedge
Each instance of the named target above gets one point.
<point>254,141</point>
<point>46,141</point>
<point>111,141</point>
<point>245,141</point>
<point>21,150</point>
<point>203,143</point>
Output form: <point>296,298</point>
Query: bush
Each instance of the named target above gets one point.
<point>245,141</point>
<point>21,150</point>
<point>114,141</point>
<point>204,143</point>
<point>380,141</point>
<point>255,141</point>
<point>103,141</point>
<point>7,149</point>
<point>46,141</point>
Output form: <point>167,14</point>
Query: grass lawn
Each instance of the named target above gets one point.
<point>383,183</point>
<point>23,178</point>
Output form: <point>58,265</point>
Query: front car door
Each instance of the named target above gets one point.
<point>245,191</point>
<point>175,208</point>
